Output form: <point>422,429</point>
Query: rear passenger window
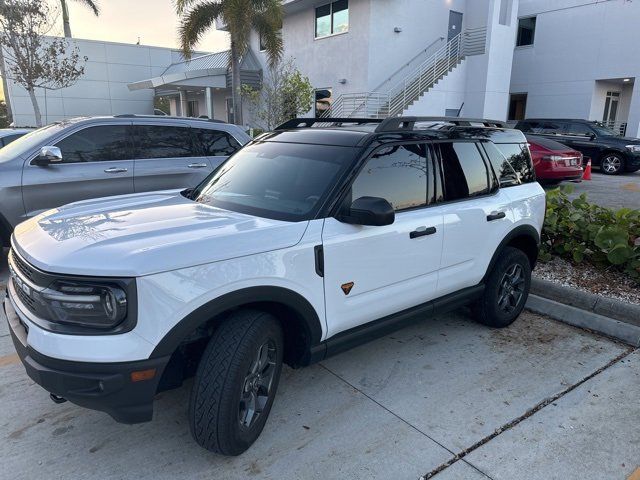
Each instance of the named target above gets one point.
<point>464,172</point>
<point>396,173</point>
<point>155,141</point>
<point>514,159</point>
<point>548,128</point>
<point>215,143</point>
<point>96,144</point>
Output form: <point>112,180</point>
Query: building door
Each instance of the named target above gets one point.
<point>455,24</point>
<point>517,106</point>
<point>611,108</point>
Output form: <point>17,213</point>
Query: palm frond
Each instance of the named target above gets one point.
<point>195,23</point>
<point>95,8</point>
<point>181,6</point>
<point>268,23</point>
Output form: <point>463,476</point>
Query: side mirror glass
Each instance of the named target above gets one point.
<point>373,211</point>
<point>48,155</point>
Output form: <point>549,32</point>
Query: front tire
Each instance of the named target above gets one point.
<point>236,382</point>
<point>506,290</point>
<point>612,164</point>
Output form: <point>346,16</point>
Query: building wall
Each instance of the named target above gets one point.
<point>577,42</point>
<point>102,90</point>
<point>372,51</point>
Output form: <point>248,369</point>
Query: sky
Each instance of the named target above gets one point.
<point>154,21</point>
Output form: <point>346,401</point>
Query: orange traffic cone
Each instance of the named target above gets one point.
<point>587,171</point>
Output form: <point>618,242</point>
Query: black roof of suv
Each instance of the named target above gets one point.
<point>360,132</point>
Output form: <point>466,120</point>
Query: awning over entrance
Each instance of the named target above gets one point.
<point>211,70</point>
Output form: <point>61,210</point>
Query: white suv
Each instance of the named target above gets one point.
<point>308,241</point>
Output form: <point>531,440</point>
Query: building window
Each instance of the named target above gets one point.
<point>262,44</point>
<point>332,18</point>
<point>517,106</point>
<point>192,109</point>
<point>323,98</point>
<point>526,31</point>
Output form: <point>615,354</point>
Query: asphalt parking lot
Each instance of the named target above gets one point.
<point>612,191</point>
<point>444,399</point>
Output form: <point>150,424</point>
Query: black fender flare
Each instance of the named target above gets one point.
<point>246,296</point>
<point>519,231</point>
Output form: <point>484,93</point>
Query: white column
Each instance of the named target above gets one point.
<point>633,121</point>
<point>208,98</point>
<point>183,104</point>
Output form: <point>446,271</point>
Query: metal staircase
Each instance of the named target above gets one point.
<point>401,95</point>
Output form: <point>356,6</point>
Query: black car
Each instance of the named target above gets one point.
<point>611,152</point>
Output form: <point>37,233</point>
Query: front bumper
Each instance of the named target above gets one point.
<point>107,387</point>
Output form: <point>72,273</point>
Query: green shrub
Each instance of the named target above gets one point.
<point>584,232</point>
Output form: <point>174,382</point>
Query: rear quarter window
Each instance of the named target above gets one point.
<point>511,163</point>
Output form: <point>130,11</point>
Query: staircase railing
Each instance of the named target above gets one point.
<point>401,95</point>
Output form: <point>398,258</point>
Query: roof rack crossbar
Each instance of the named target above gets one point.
<point>393,124</point>
<point>309,122</point>
<point>167,117</point>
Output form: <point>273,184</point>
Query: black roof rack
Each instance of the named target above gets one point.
<point>394,124</point>
<point>167,117</point>
<point>309,122</point>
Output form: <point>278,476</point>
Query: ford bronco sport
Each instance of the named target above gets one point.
<point>310,240</point>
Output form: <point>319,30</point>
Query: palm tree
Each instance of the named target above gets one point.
<point>240,17</point>
<point>65,13</point>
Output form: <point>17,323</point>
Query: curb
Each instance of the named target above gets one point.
<point>577,317</point>
<point>606,307</point>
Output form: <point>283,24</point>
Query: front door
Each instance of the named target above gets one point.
<point>455,24</point>
<point>611,109</point>
<point>96,162</point>
<point>371,271</point>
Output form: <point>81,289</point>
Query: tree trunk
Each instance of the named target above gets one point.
<point>65,19</point>
<point>36,107</point>
<point>5,86</point>
<point>235,85</point>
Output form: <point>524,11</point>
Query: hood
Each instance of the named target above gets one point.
<point>142,234</point>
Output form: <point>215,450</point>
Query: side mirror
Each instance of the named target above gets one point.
<point>591,136</point>
<point>372,211</point>
<point>48,155</point>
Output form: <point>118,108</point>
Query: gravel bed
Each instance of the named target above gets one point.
<point>585,277</point>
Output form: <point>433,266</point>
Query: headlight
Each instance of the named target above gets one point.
<point>634,148</point>
<point>87,305</point>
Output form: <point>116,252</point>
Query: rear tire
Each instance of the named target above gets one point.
<point>236,382</point>
<point>506,290</point>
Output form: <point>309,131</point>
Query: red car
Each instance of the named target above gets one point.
<point>553,161</point>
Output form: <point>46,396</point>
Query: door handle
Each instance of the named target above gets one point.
<point>115,170</point>
<point>198,165</point>
<point>495,216</point>
<point>422,231</point>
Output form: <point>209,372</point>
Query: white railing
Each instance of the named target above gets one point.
<point>619,127</point>
<point>407,90</point>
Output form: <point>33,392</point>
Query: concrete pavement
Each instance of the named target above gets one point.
<point>616,191</point>
<point>403,407</point>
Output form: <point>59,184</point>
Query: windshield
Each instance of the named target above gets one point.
<point>29,141</point>
<point>283,181</point>
<point>603,131</point>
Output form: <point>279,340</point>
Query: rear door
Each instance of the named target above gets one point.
<point>476,215</point>
<point>167,157</point>
<point>216,144</point>
<point>374,271</point>
<point>96,162</point>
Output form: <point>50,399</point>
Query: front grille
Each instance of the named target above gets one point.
<point>25,269</point>
<point>26,300</point>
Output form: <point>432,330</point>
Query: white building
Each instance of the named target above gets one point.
<point>103,89</point>
<point>578,59</point>
<point>428,57</point>
<point>501,59</point>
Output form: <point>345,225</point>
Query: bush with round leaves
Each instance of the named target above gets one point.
<point>585,232</point>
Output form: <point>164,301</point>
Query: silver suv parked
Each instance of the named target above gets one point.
<point>102,156</point>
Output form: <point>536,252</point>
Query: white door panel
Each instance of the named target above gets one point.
<point>470,239</point>
<point>390,270</point>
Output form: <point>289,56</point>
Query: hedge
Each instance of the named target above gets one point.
<point>584,232</point>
